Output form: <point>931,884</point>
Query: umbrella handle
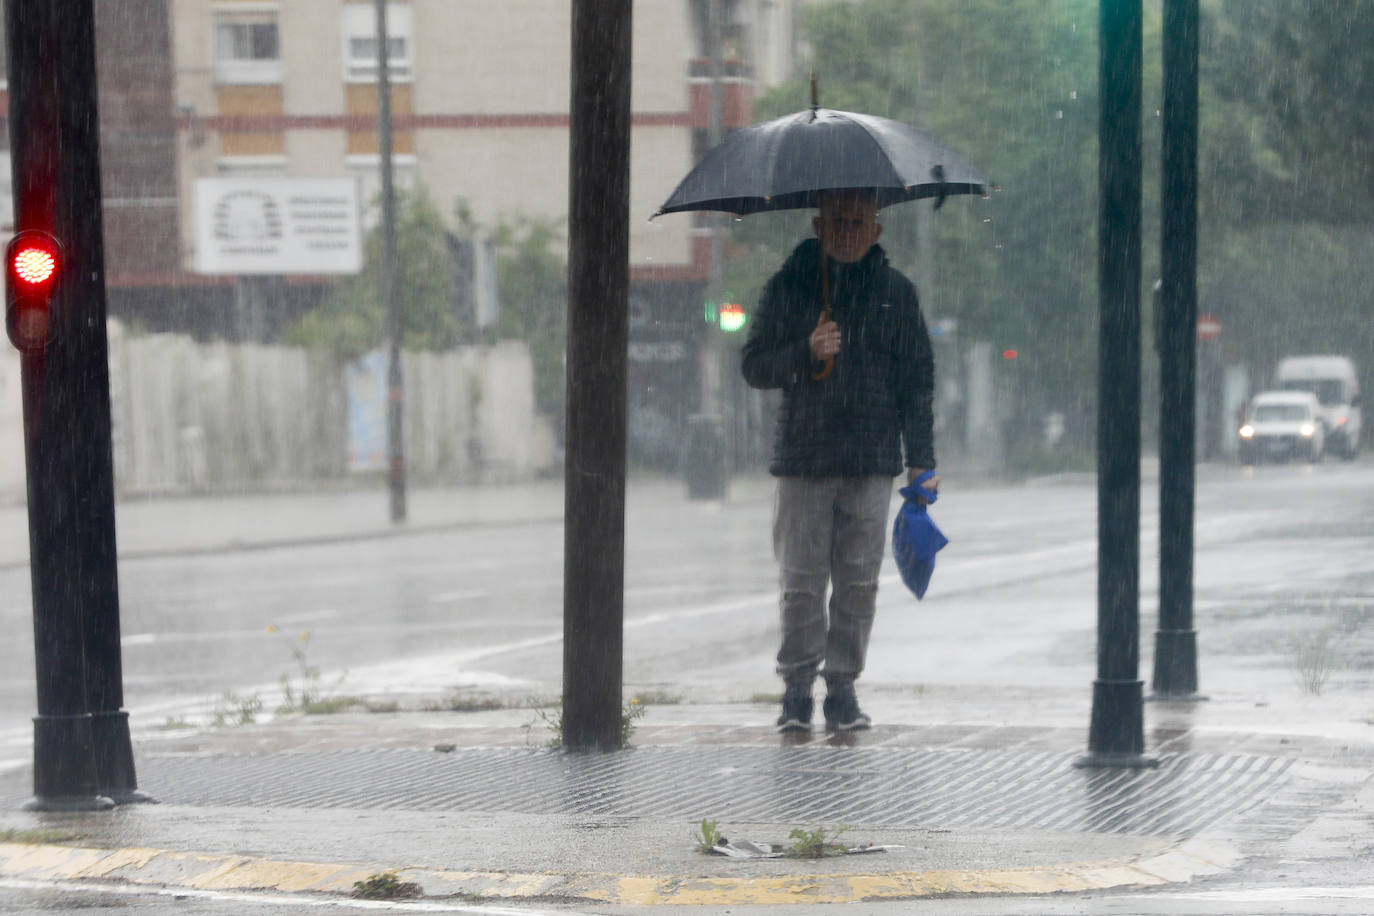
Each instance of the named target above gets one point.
<point>824,371</point>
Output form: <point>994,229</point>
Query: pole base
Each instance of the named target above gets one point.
<point>703,459</point>
<point>64,760</point>
<point>1118,761</point>
<point>68,804</point>
<point>1175,663</point>
<point>1117,734</point>
<point>1157,697</point>
<point>114,758</point>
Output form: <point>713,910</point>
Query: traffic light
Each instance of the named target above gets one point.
<point>1010,354</point>
<point>33,263</point>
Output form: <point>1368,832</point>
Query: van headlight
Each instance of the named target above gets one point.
<point>1247,431</point>
<point>1307,430</point>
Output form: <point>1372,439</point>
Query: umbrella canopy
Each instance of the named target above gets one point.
<point>785,163</point>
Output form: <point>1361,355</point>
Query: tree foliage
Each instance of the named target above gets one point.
<point>1286,122</point>
<point>532,293</point>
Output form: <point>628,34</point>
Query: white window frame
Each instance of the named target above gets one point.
<point>251,166</point>
<point>234,70</point>
<point>359,25</point>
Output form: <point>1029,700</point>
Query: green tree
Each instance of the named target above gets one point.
<point>534,302</point>
<point>352,320</point>
<point>532,293</point>
<point>1012,85</point>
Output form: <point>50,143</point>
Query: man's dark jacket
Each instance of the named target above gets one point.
<point>879,397</point>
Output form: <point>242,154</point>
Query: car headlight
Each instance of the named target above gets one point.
<point>1307,430</point>
<point>1247,431</point>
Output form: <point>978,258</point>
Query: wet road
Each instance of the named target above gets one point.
<point>477,612</point>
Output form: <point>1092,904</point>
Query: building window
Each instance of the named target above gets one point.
<point>360,42</point>
<point>247,45</point>
<point>251,166</point>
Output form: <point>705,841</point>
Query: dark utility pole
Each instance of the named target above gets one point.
<point>1175,674</point>
<point>1117,733</point>
<point>395,377</point>
<point>83,758</point>
<point>598,337</point>
<point>704,459</point>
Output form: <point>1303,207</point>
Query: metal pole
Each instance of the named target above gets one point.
<point>395,377</point>
<point>1117,732</point>
<point>705,455</point>
<point>71,511</point>
<point>1175,667</point>
<point>598,336</point>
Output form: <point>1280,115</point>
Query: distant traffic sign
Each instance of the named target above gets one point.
<point>1208,327</point>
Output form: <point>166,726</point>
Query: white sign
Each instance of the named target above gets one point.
<point>278,226</point>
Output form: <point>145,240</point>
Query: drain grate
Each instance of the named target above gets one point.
<point>874,787</point>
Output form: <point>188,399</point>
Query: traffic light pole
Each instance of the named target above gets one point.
<point>83,757</point>
<point>1175,665</point>
<point>1117,731</point>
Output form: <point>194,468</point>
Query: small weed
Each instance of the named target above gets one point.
<point>328,706</point>
<point>552,718</point>
<point>815,843</point>
<point>385,886</point>
<point>304,694</point>
<point>460,703</point>
<point>384,706</point>
<point>767,699</point>
<point>175,722</point>
<point>656,698</point>
<point>708,836</point>
<point>35,837</point>
<point>232,709</point>
<point>1314,656</point>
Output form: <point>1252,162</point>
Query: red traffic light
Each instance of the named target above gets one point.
<point>33,261</point>
<point>34,264</point>
<point>1010,354</point>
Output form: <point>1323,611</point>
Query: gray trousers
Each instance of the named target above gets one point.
<point>828,530</point>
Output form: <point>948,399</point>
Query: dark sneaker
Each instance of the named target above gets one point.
<point>797,707</point>
<point>842,713</point>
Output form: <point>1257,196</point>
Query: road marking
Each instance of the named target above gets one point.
<point>447,597</point>
<point>211,873</point>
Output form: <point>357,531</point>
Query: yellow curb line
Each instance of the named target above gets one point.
<point>1174,864</point>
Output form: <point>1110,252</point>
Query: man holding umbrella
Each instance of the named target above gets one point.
<point>841,333</point>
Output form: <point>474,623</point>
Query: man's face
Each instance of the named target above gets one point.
<point>847,226</point>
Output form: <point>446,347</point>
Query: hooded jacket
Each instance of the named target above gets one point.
<point>877,403</point>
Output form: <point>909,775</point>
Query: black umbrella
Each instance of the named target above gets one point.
<point>785,164</point>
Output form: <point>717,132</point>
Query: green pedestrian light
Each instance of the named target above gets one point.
<point>732,317</point>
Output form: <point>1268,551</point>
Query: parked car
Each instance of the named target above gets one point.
<point>1337,387</point>
<point>1282,426</point>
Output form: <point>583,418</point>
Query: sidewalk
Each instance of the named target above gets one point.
<point>475,804</point>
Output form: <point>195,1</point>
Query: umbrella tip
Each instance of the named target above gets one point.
<point>815,93</point>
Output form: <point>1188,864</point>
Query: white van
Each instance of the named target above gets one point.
<point>1332,379</point>
<point>1282,426</point>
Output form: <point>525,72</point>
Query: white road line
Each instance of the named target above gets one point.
<point>446,597</point>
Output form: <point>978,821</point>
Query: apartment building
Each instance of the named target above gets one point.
<point>272,89</point>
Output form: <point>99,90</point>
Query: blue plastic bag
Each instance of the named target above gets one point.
<point>915,539</point>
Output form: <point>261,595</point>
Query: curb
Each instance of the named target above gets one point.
<point>164,868</point>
